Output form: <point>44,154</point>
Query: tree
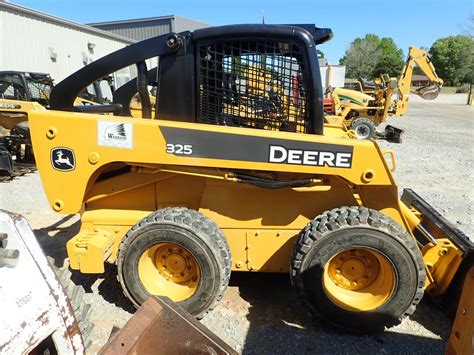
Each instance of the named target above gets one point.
<point>372,56</point>
<point>468,27</point>
<point>362,57</point>
<point>391,58</point>
<point>453,58</point>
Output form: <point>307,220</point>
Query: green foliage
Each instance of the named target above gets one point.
<point>372,56</point>
<point>361,57</point>
<point>453,58</point>
<point>391,59</point>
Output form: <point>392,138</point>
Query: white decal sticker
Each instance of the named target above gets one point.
<point>115,134</point>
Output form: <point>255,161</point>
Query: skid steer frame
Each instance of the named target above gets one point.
<point>261,187</point>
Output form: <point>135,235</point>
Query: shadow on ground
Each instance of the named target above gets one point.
<point>109,287</point>
<point>280,324</point>
<point>277,322</point>
<point>53,239</point>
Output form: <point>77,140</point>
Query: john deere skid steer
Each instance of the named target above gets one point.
<point>236,171</point>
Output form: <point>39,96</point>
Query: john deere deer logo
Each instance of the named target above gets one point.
<point>63,159</point>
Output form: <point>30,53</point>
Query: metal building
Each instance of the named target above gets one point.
<point>33,41</point>
<point>140,29</point>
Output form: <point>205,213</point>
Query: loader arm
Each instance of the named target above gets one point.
<point>420,58</point>
<point>64,94</point>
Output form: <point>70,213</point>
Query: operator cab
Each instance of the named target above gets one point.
<point>253,76</point>
<point>26,86</point>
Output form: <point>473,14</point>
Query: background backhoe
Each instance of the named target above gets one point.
<point>364,109</point>
<point>228,175</point>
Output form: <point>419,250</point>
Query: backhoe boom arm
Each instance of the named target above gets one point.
<point>420,58</point>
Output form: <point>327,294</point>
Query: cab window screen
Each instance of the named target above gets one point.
<point>255,84</point>
<point>11,87</point>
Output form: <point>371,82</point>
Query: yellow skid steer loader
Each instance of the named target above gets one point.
<point>201,188</point>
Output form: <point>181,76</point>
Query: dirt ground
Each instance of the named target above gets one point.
<point>259,313</point>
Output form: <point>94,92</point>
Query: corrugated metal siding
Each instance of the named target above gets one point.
<point>185,24</point>
<point>138,30</point>
<point>27,43</point>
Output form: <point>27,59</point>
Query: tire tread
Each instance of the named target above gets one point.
<point>199,224</point>
<point>346,217</point>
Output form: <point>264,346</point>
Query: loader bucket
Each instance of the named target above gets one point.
<point>435,222</point>
<point>429,92</point>
<point>393,134</point>
<point>448,253</point>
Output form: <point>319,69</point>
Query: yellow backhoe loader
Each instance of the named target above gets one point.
<point>364,109</point>
<point>202,188</point>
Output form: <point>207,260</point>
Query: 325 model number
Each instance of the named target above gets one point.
<point>180,149</point>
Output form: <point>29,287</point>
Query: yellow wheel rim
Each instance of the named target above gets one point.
<point>359,279</point>
<point>168,269</point>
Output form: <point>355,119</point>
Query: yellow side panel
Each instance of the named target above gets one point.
<point>238,248</point>
<point>13,112</point>
<point>79,132</point>
<point>244,206</point>
<point>270,250</point>
<point>180,190</point>
<point>140,199</point>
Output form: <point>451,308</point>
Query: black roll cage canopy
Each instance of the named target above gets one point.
<point>173,49</point>
<point>39,77</point>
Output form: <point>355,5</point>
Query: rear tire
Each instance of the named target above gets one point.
<point>364,128</point>
<point>178,253</point>
<point>359,269</point>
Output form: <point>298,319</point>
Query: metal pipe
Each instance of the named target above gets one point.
<point>427,234</point>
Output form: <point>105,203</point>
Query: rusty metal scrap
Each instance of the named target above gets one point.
<point>160,326</point>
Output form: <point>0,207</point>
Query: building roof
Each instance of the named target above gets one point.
<point>8,6</point>
<point>416,77</point>
<point>145,19</point>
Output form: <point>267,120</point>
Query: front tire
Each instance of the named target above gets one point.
<point>359,269</point>
<point>364,128</point>
<point>178,253</point>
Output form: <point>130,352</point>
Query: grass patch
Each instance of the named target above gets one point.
<point>448,90</point>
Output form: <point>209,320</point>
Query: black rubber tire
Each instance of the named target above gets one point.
<point>351,227</point>
<point>198,235</point>
<point>366,125</point>
<point>75,293</point>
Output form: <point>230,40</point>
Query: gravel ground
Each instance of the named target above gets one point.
<point>259,313</point>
